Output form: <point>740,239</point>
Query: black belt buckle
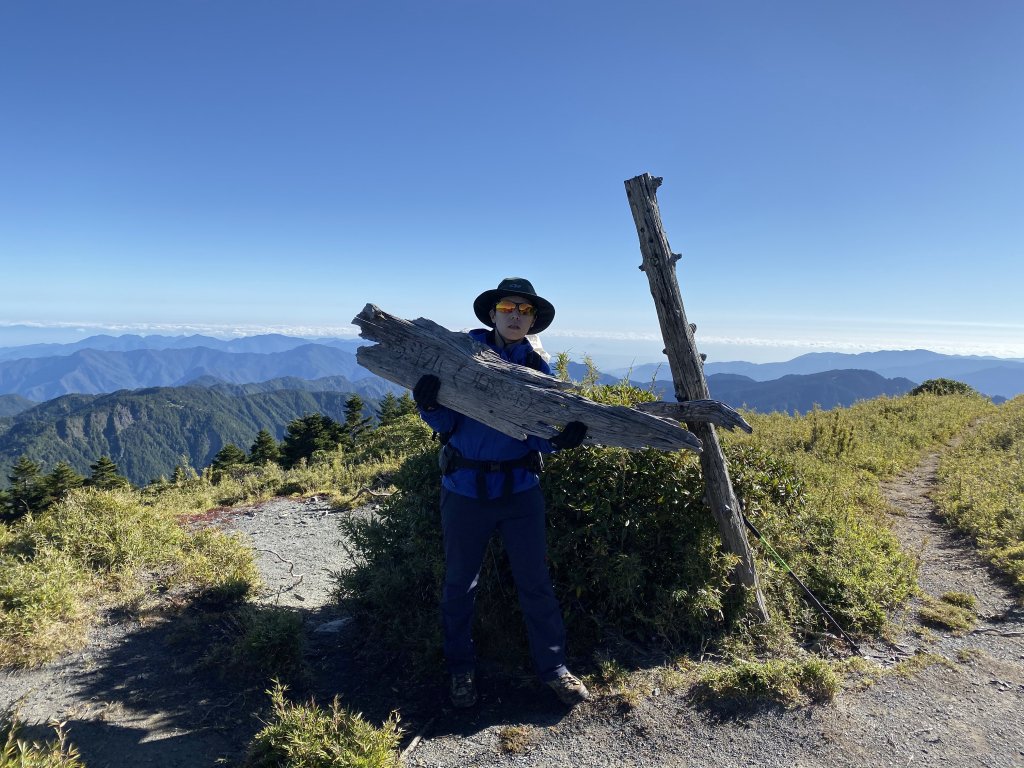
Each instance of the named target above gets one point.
<point>495,466</point>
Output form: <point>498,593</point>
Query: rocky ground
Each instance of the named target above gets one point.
<point>144,692</point>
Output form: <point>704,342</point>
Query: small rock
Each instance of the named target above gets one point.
<point>333,627</point>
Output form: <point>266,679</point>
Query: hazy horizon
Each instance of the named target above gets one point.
<point>610,352</point>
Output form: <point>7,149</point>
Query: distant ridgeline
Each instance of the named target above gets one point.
<point>147,432</point>
<point>147,401</point>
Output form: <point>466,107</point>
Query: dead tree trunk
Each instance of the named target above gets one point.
<point>688,375</point>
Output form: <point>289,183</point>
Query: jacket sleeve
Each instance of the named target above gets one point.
<point>541,444</point>
<point>441,419</point>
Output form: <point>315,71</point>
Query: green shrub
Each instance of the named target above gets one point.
<point>633,552</point>
<point>52,566</point>
<point>311,737</point>
<point>943,387</point>
<point>634,555</point>
<point>215,565</point>
<point>394,586</point>
<point>109,531</point>
<point>42,610</point>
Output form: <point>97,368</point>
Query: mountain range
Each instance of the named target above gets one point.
<point>93,371</point>
<point>263,344</point>
<point>147,431</point>
<point>107,363</point>
<point>993,376</point>
<point>146,401</point>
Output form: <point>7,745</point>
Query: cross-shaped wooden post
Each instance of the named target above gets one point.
<point>688,376</point>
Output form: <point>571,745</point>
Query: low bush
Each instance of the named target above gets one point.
<point>307,736</point>
<point>42,605</point>
<point>52,567</point>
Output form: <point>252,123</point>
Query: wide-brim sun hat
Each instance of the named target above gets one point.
<point>514,286</point>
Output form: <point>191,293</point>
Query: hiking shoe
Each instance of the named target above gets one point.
<point>463,690</point>
<point>569,689</point>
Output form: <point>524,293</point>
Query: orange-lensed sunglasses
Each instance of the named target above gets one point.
<point>511,306</point>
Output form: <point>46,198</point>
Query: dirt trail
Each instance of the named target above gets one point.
<point>140,694</point>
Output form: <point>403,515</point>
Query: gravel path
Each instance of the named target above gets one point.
<point>139,694</point>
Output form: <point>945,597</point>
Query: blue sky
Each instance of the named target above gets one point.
<point>838,176</point>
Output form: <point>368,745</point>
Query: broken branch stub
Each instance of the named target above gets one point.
<point>513,399</point>
<point>713,411</point>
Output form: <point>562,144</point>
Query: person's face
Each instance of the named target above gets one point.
<point>514,325</point>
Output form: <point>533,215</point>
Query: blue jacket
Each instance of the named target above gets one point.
<point>478,442</point>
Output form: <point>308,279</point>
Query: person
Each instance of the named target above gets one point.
<point>490,483</point>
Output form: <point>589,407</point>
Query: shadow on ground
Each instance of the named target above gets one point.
<point>167,694</point>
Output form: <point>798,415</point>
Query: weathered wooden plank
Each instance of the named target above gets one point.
<point>511,398</point>
<point>658,263</point>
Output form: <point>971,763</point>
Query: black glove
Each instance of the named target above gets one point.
<point>572,435</point>
<point>425,392</point>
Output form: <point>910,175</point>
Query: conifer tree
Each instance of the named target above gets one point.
<point>61,480</point>
<point>227,457</point>
<point>408,405</point>
<point>308,434</point>
<point>184,472</point>
<point>264,449</point>
<point>28,490</point>
<point>355,422</point>
<point>389,409</point>
<point>105,475</point>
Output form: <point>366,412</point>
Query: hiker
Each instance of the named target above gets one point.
<point>490,481</point>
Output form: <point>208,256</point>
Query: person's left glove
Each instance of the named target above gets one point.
<point>571,436</point>
<point>425,392</point>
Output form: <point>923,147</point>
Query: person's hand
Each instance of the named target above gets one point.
<point>572,435</point>
<point>425,392</point>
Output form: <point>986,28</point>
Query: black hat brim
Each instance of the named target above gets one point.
<point>485,303</point>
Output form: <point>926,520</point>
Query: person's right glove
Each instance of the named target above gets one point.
<point>572,435</point>
<point>425,392</point>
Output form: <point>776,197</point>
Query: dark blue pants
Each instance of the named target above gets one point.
<point>468,524</point>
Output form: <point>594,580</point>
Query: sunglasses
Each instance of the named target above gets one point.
<point>511,306</point>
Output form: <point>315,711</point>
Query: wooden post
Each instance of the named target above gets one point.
<point>688,375</point>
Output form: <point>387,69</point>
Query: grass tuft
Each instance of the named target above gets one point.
<point>516,739</point>
<point>19,753</point>
<point>948,614</point>
<point>307,736</point>
<point>981,488</point>
<point>785,682</point>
